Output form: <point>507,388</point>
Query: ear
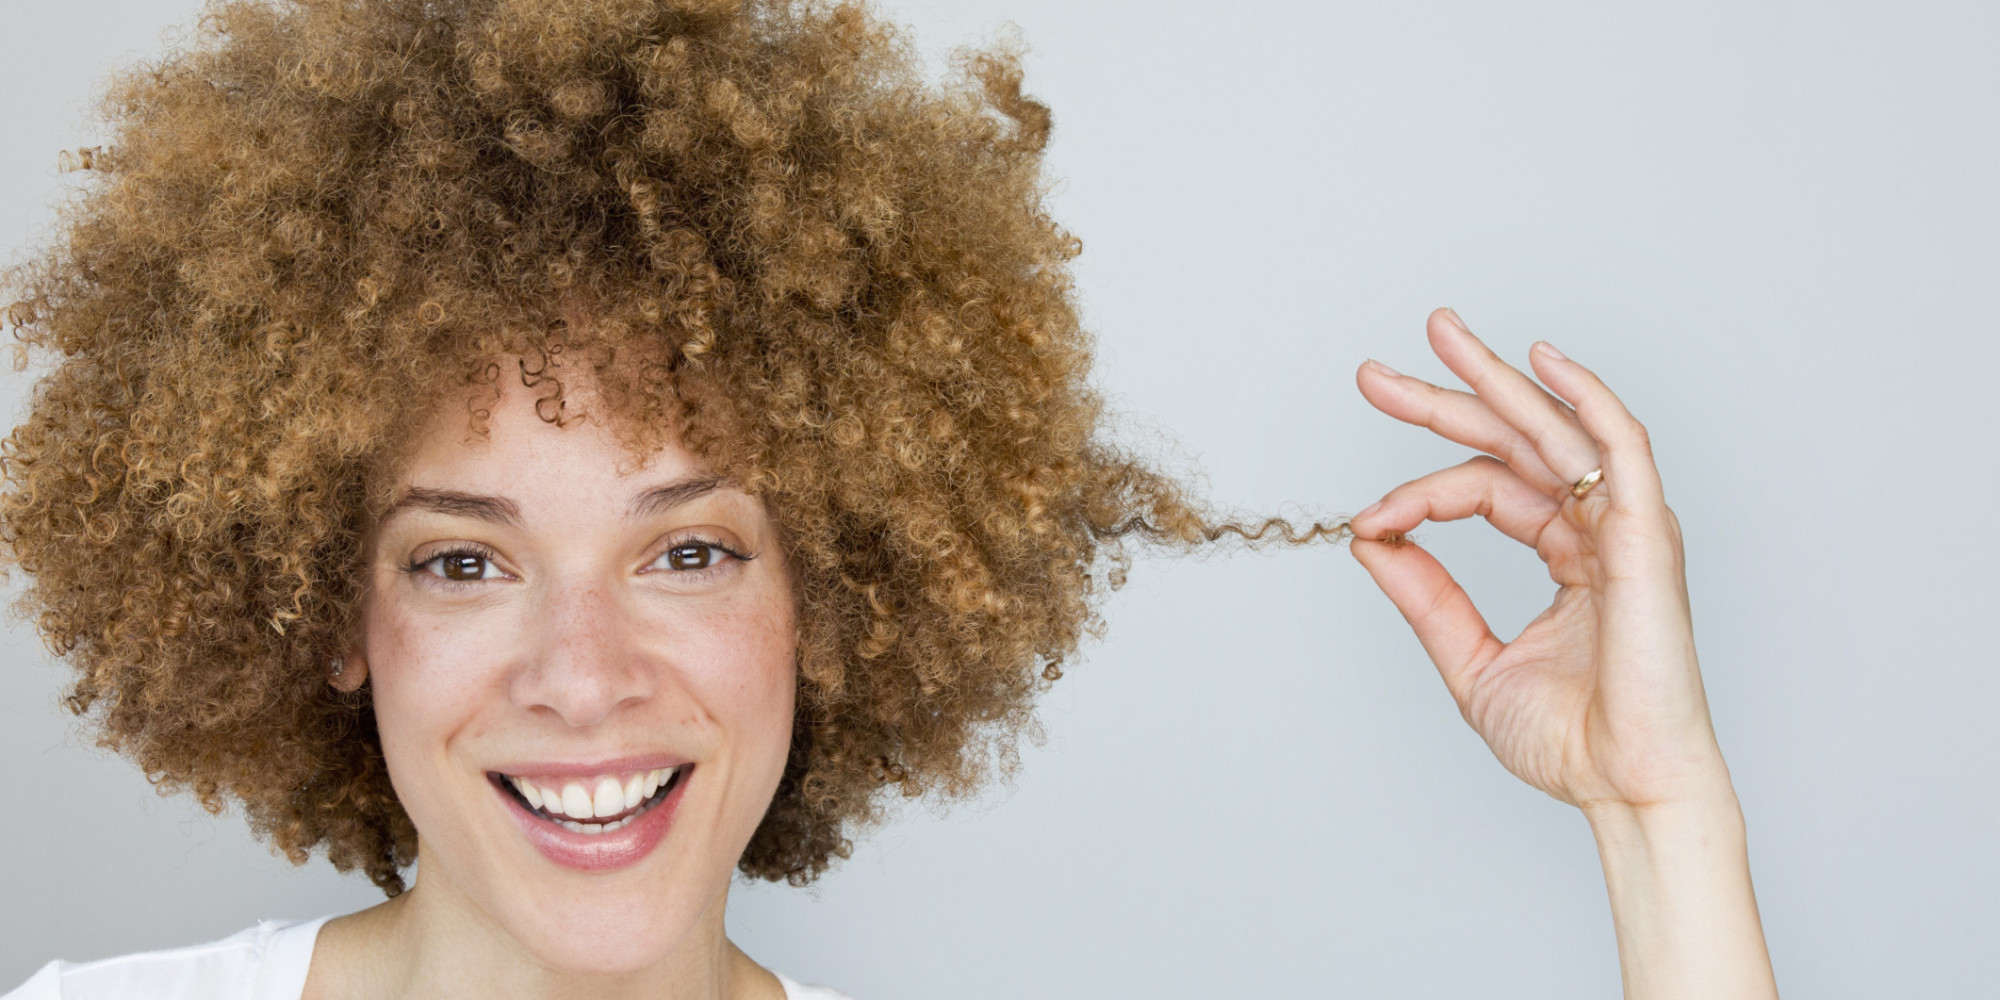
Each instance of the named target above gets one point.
<point>348,671</point>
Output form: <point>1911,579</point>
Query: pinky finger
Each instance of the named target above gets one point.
<point>1628,452</point>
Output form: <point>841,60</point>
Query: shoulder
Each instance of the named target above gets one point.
<point>794,990</point>
<point>265,962</point>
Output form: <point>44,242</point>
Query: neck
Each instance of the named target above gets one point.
<point>433,941</point>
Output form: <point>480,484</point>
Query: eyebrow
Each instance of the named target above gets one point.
<point>500,510</point>
<point>664,498</point>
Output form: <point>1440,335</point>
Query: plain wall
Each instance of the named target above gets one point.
<point>1773,227</point>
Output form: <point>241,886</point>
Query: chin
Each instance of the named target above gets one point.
<point>627,933</point>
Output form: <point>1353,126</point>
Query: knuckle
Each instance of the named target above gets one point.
<point>1432,405</point>
<point>1437,602</point>
<point>1641,438</point>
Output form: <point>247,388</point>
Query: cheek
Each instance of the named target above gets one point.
<point>431,678</point>
<point>438,678</point>
<point>738,660</point>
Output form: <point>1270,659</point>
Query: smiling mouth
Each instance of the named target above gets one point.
<point>596,805</point>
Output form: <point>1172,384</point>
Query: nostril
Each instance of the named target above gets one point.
<point>582,686</point>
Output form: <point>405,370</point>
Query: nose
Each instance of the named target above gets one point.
<point>581,664</point>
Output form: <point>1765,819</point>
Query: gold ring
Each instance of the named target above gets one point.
<point>1587,483</point>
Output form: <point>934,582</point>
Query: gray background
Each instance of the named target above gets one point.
<point>1770,225</point>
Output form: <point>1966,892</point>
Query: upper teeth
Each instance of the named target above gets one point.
<point>587,798</point>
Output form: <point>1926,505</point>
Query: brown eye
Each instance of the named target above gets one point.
<point>690,557</point>
<point>697,557</point>
<point>463,566</point>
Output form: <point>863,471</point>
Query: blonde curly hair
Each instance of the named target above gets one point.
<point>755,224</point>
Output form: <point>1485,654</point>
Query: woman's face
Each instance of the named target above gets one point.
<point>583,678</point>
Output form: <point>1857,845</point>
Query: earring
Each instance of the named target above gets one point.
<point>335,667</point>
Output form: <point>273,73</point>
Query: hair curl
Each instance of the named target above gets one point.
<point>835,281</point>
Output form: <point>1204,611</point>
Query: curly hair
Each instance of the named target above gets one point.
<point>837,282</point>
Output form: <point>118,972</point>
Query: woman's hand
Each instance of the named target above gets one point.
<point>1598,702</point>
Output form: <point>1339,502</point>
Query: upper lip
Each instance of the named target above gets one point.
<point>591,768</point>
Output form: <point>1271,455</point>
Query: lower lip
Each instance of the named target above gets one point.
<point>598,852</point>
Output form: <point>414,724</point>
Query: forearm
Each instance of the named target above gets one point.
<point>1686,917</point>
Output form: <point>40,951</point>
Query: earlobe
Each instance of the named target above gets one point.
<point>347,671</point>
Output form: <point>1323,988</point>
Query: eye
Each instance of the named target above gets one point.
<point>695,555</point>
<point>459,566</point>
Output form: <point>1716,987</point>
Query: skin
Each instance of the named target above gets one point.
<point>1598,702</point>
<point>580,637</point>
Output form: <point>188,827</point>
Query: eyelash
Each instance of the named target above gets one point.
<point>697,541</point>
<point>418,566</point>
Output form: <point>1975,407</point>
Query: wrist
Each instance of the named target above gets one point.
<point>1666,788</point>
<point>1686,917</point>
<point>1715,808</point>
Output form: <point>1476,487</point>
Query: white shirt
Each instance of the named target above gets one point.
<point>266,962</point>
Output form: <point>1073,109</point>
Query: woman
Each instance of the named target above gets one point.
<point>593,448</point>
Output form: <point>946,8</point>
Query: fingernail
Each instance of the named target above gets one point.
<point>1372,508</point>
<point>1550,349</point>
<point>1452,314</point>
<point>1384,369</point>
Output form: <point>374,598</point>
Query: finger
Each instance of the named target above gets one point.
<point>1563,444</point>
<point>1449,627</point>
<point>1482,486</point>
<point>1454,416</point>
<point>1629,469</point>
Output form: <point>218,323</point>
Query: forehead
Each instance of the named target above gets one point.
<point>513,451</point>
